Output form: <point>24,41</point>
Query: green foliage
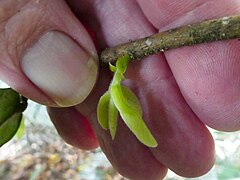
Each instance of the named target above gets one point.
<point>112,118</point>
<point>121,99</point>
<point>9,128</point>
<point>11,107</point>
<point>20,132</point>
<point>8,103</point>
<point>102,110</point>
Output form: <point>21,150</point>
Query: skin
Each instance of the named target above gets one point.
<point>180,91</point>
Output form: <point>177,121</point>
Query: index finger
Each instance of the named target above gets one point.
<point>208,74</point>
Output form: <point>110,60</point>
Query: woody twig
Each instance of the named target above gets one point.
<point>207,31</point>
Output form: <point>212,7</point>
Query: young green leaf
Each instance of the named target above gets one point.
<point>132,99</point>
<point>122,63</point>
<point>9,128</point>
<point>107,114</point>
<point>131,115</point>
<point>112,118</point>
<point>102,110</point>
<point>122,99</point>
<point>112,67</point>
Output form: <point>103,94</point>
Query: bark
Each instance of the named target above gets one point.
<point>207,31</point>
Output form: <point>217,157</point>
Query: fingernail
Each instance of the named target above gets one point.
<point>58,66</point>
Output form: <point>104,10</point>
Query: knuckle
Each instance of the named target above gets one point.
<point>20,22</point>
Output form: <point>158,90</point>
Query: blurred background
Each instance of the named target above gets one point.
<point>41,154</point>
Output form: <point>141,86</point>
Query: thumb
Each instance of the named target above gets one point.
<point>45,53</point>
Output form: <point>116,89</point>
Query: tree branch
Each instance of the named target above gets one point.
<point>207,31</point>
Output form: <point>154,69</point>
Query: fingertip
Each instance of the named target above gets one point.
<point>73,128</point>
<point>200,159</point>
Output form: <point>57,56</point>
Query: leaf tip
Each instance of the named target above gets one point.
<point>112,67</point>
<point>113,134</point>
<point>153,144</point>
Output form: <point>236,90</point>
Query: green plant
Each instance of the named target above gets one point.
<point>12,105</point>
<point>120,99</point>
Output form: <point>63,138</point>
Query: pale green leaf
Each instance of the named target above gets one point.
<point>9,128</point>
<point>132,116</point>
<point>112,67</point>
<point>132,99</point>
<point>123,100</point>
<point>102,110</point>
<point>122,64</point>
<point>112,118</point>
<point>117,78</point>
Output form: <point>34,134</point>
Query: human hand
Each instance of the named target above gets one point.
<point>180,90</point>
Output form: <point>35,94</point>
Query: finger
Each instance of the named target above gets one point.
<point>100,22</point>
<point>184,143</point>
<point>73,127</point>
<point>43,49</point>
<point>208,75</point>
<point>165,111</point>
